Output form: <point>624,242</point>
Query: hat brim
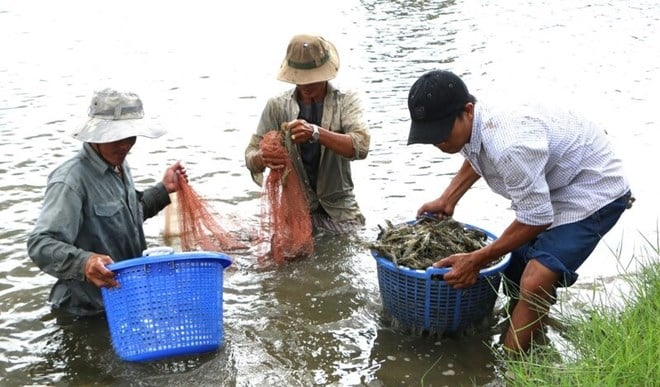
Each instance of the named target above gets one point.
<point>322,73</point>
<point>97,130</point>
<point>431,132</point>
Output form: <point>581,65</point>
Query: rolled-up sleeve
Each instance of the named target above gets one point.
<point>250,154</point>
<point>524,177</point>
<point>272,117</point>
<point>355,125</point>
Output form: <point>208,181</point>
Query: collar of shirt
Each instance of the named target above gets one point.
<point>99,165</point>
<point>472,148</point>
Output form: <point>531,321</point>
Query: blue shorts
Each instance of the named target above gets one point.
<point>563,249</point>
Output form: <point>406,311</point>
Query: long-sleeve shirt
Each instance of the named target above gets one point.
<point>88,209</point>
<point>554,166</point>
<point>343,113</point>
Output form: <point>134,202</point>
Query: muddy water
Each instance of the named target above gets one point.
<point>204,72</point>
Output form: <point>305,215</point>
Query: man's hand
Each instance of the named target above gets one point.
<point>300,131</point>
<point>464,270</point>
<point>172,175</point>
<point>437,208</point>
<point>272,160</point>
<point>97,273</point>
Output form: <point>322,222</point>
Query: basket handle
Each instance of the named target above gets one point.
<point>160,250</point>
<point>437,273</point>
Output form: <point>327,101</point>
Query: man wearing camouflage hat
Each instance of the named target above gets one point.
<point>92,214</point>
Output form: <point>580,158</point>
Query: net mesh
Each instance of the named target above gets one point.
<point>285,218</point>
<point>198,227</point>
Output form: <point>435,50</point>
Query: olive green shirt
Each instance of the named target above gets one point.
<point>342,113</point>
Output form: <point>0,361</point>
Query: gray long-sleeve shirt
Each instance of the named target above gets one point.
<point>89,209</point>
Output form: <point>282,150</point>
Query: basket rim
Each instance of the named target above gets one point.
<point>430,271</point>
<point>224,259</point>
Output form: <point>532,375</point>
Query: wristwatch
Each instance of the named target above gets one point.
<point>315,134</point>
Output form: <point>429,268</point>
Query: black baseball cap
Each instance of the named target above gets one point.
<point>434,102</point>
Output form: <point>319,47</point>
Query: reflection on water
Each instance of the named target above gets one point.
<point>205,74</point>
<point>311,317</point>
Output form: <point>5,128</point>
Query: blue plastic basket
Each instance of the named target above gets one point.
<point>166,305</point>
<point>421,300</point>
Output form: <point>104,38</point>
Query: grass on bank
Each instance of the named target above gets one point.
<point>607,346</point>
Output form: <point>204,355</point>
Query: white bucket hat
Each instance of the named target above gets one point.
<point>115,116</point>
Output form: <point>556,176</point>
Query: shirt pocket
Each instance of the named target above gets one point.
<point>107,209</point>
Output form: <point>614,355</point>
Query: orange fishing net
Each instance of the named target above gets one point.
<point>284,206</point>
<point>198,227</point>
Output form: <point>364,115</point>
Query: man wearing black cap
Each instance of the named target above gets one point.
<point>566,186</point>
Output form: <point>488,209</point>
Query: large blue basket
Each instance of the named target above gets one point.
<point>166,305</point>
<point>421,300</point>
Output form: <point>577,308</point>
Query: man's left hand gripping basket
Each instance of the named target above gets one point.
<point>421,300</point>
<point>166,305</point>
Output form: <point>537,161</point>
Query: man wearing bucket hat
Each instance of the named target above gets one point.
<point>327,131</point>
<point>566,185</point>
<point>92,214</point>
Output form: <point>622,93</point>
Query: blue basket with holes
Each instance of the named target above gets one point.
<point>421,300</point>
<point>167,305</point>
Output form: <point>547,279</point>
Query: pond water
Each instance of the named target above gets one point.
<point>204,71</point>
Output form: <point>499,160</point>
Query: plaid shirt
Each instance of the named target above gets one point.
<point>555,167</point>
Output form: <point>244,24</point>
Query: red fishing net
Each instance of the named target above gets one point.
<point>198,227</point>
<point>285,215</point>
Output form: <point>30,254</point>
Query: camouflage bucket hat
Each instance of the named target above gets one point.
<point>115,116</point>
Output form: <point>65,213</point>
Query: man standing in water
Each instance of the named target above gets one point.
<point>327,131</point>
<point>92,213</point>
<point>566,186</point>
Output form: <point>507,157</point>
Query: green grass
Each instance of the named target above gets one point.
<point>606,345</point>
